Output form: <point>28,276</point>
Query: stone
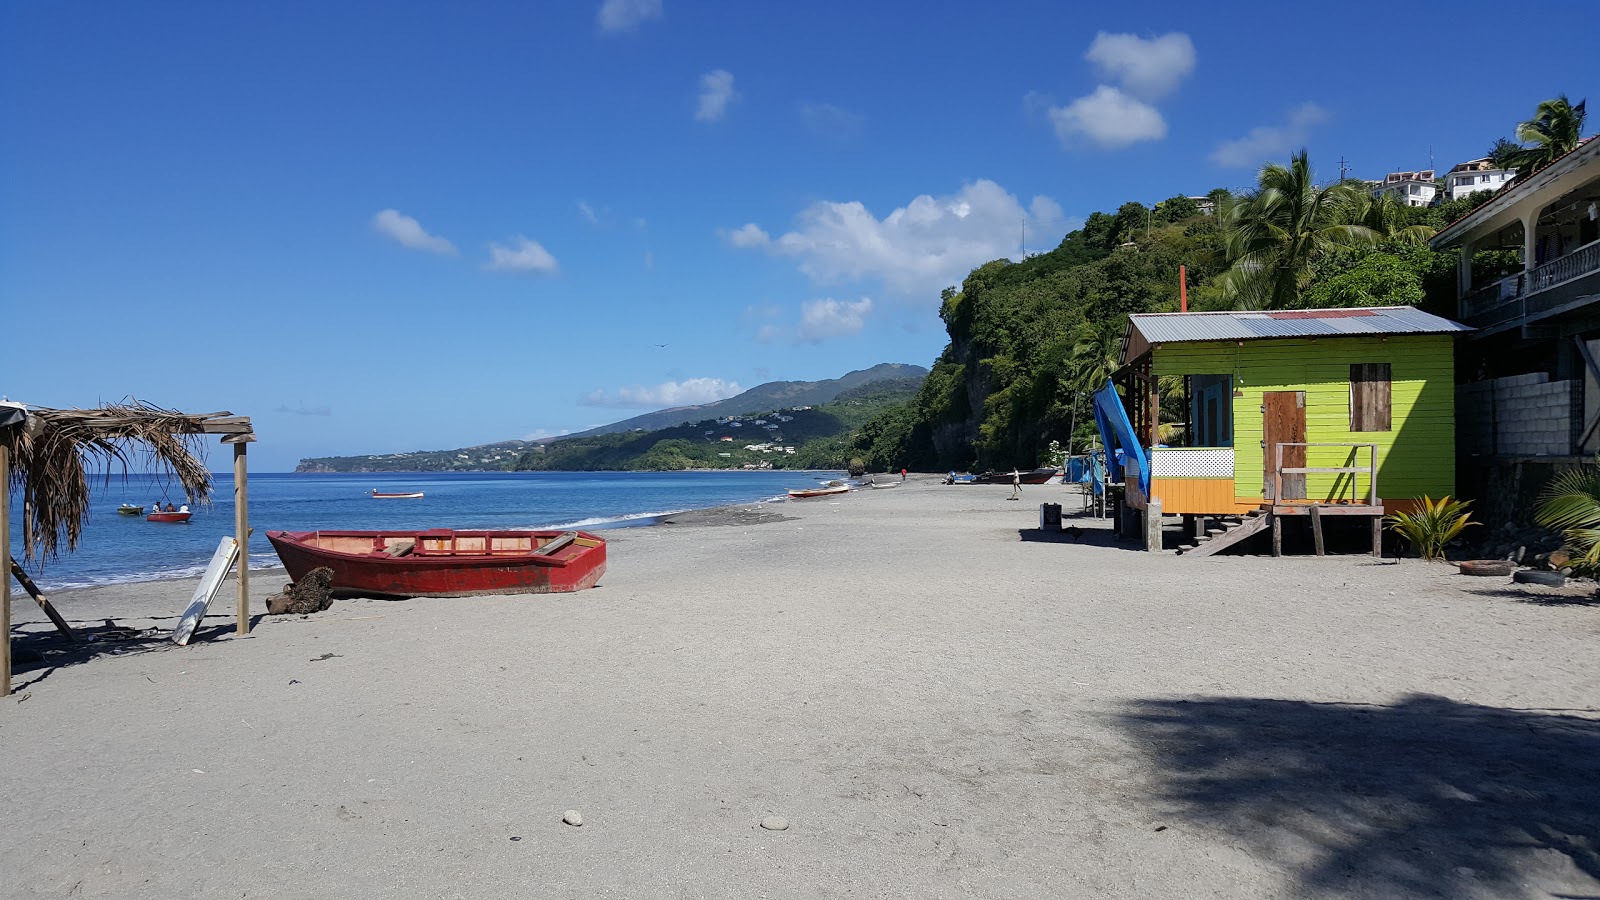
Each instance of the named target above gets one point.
<point>1559,559</point>
<point>775,823</point>
<point>573,817</point>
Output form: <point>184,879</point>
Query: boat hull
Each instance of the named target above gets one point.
<point>819,492</point>
<point>412,495</point>
<point>168,517</point>
<point>130,510</point>
<point>444,563</point>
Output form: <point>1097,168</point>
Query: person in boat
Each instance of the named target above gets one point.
<point>170,507</point>
<point>184,508</point>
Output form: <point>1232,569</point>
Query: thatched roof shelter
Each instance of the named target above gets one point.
<point>46,456</point>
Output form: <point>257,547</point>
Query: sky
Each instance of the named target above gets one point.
<point>379,227</point>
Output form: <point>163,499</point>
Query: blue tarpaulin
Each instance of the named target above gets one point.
<point>1131,465</point>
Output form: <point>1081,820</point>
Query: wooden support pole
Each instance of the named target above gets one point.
<point>5,583</point>
<point>1377,536</point>
<point>241,528</point>
<point>1277,534</point>
<point>1316,530</point>
<point>39,598</point>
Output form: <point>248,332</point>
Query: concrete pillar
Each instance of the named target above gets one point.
<point>1464,270</point>
<point>1530,241</point>
<point>1152,525</point>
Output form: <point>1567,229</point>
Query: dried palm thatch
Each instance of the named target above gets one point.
<point>55,451</point>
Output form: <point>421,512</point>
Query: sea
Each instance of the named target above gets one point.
<point>117,548</point>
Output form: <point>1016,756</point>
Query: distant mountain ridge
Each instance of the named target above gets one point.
<point>504,454</point>
<point>761,398</point>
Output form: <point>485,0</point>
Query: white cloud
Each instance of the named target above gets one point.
<point>928,244</point>
<point>525,255</point>
<point>1109,118</point>
<point>408,232</point>
<point>829,121</point>
<point>588,213</point>
<point>747,235</point>
<point>1266,141</point>
<point>689,392</point>
<point>539,434</point>
<point>626,15</point>
<point>716,92</point>
<point>1149,69</point>
<point>823,319</point>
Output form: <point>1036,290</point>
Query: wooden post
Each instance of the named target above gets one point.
<point>1377,536</point>
<point>241,528</point>
<point>1277,534</point>
<point>39,598</point>
<point>1155,410</point>
<point>1316,529</point>
<point>5,583</point>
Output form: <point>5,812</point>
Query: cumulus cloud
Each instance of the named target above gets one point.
<point>928,244</point>
<point>716,92</point>
<point>1147,68</point>
<point>747,235</point>
<point>1109,118</point>
<point>1266,141</point>
<point>823,319</point>
<point>524,255</point>
<point>408,232</point>
<point>626,15</point>
<point>689,392</point>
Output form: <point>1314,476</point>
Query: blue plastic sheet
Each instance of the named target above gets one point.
<point>1125,457</point>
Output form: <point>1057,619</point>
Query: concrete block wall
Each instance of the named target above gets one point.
<point>1523,415</point>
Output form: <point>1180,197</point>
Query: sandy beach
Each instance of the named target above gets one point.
<point>938,699</point>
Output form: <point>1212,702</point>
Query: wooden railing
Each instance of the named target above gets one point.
<point>1278,471</point>
<point>1506,299</point>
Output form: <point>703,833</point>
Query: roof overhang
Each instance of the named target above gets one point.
<point>1554,180</point>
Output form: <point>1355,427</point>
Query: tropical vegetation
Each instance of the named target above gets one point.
<point>1432,525</point>
<point>1571,504</point>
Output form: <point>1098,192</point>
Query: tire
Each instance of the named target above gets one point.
<point>1492,567</point>
<point>1535,576</point>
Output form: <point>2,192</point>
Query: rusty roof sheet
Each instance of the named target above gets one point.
<point>1146,329</point>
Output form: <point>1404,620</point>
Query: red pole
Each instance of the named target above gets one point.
<point>1183,289</point>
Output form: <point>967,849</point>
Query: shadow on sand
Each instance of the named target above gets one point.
<point>1428,797</point>
<point>38,650</point>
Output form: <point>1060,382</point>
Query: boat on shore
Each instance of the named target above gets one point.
<point>828,490</point>
<point>159,516</point>
<point>396,495</point>
<point>1040,475</point>
<point>445,563</point>
<point>128,509</point>
<point>960,478</point>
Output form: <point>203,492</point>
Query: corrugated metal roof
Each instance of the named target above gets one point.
<point>1160,328</point>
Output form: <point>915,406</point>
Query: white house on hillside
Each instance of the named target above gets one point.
<point>1475,175</point>
<point>1408,188</point>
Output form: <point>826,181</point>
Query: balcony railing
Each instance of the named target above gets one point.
<point>1517,297</point>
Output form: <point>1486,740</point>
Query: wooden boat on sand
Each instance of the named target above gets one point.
<point>401,495</point>
<point>445,563</point>
<point>824,491</point>
<point>159,516</point>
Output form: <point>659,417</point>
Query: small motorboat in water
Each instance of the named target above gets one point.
<point>445,563</point>
<point>128,509</point>
<point>404,495</point>
<point>159,516</point>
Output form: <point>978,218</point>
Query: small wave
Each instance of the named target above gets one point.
<point>611,521</point>
<point>258,562</point>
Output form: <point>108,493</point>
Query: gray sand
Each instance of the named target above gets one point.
<point>937,706</point>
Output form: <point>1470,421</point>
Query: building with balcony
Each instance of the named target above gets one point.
<point>1408,188</point>
<point>1528,281</point>
<point>1473,176</point>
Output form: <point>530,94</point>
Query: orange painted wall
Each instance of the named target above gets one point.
<point>1213,496</point>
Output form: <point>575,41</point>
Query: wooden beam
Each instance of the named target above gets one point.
<point>241,528</point>
<point>5,583</point>
<point>1277,534</point>
<point>1316,530</point>
<point>39,598</point>
<point>1377,536</point>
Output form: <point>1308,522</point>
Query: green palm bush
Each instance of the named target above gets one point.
<point>1571,505</point>
<point>1432,525</point>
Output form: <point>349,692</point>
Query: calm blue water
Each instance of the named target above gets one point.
<point>127,548</point>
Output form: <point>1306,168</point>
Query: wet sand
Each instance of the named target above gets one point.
<point>940,700</point>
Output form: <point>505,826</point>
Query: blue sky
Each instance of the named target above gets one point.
<point>377,227</point>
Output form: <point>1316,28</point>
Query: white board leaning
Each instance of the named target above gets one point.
<point>210,583</point>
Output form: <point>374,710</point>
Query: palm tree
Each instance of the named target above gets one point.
<point>1096,353</point>
<point>1275,236</point>
<point>1387,218</point>
<point>1555,130</point>
<point>1571,504</point>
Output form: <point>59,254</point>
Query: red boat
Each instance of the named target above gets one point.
<point>168,517</point>
<point>445,563</point>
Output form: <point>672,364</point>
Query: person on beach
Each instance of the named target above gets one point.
<point>1016,484</point>
<point>902,473</point>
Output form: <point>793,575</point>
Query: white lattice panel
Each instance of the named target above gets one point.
<point>1201,462</point>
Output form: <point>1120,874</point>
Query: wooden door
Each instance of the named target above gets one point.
<point>1284,421</point>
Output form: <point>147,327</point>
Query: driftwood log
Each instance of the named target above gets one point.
<point>308,595</point>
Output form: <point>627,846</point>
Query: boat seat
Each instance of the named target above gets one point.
<point>403,548</point>
<point>555,544</point>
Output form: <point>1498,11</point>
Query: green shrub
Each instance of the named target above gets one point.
<point>1432,526</point>
<point>1571,505</point>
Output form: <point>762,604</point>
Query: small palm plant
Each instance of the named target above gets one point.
<point>1432,525</point>
<point>1571,504</point>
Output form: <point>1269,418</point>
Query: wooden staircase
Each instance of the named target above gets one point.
<point>1229,531</point>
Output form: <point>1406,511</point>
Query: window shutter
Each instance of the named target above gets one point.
<point>1369,397</point>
